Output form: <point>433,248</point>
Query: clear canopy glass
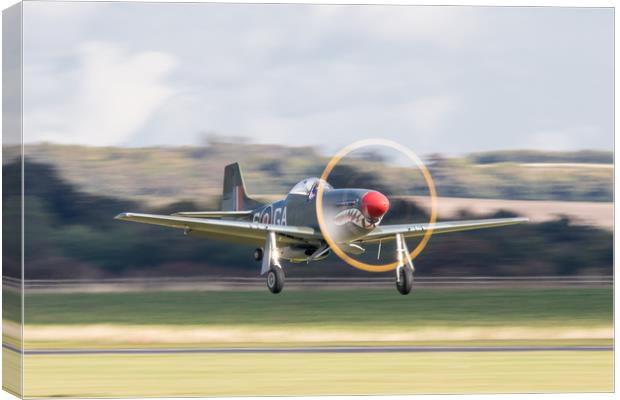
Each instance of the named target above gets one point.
<point>307,185</point>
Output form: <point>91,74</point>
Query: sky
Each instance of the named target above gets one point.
<point>436,79</point>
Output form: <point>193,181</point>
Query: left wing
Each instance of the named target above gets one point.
<point>389,232</point>
<point>227,229</point>
<point>214,214</point>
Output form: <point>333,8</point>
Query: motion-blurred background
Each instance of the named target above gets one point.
<point>73,193</point>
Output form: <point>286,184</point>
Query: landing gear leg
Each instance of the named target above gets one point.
<point>404,271</point>
<point>271,265</point>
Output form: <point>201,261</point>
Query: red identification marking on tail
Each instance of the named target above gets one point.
<point>239,198</point>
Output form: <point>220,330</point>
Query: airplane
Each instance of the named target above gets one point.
<point>288,228</point>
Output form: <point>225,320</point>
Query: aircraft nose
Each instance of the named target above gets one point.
<point>374,205</point>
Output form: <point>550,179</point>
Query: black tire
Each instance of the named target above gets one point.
<point>258,254</point>
<point>404,283</point>
<point>275,280</point>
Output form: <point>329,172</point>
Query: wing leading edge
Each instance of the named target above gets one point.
<point>255,231</point>
<point>389,232</point>
<point>214,214</point>
<point>240,229</point>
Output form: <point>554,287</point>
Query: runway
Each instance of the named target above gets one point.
<point>331,349</point>
<point>146,284</point>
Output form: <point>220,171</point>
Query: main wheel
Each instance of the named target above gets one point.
<point>275,280</point>
<point>404,281</point>
<point>258,254</point>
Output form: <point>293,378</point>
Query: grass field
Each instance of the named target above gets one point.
<point>351,308</point>
<point>11,368</point>
<point>316,374</point>
<point>316,317</point>
<point>473,317</point>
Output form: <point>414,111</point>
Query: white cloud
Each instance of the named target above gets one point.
<point>416,124</point>
<point>450,27</point>
<point>449,79</point>
<point>102,100</point>
<point>429,114</point>
<point>551,140</point>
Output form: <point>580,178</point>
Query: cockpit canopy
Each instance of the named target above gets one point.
<point>306,186</point>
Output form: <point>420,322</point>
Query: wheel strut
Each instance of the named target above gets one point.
<point>271,265</point>
<point>405,268</point>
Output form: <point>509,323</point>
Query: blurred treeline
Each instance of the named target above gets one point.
<point>538,156</point>
<point>71,233</point>
<point>157,175</point>
<point>460,177</point>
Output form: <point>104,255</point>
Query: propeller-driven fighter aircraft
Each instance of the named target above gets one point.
<point>288,229</point>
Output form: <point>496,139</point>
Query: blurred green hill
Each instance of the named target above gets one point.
<point>166,174</point>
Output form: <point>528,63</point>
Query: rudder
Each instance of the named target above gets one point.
<point>234,195</point>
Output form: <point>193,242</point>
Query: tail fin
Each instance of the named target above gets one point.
<point>234,195</point>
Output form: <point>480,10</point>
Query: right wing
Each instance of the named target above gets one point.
<point>389,232</point>
<point>225,229</point>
